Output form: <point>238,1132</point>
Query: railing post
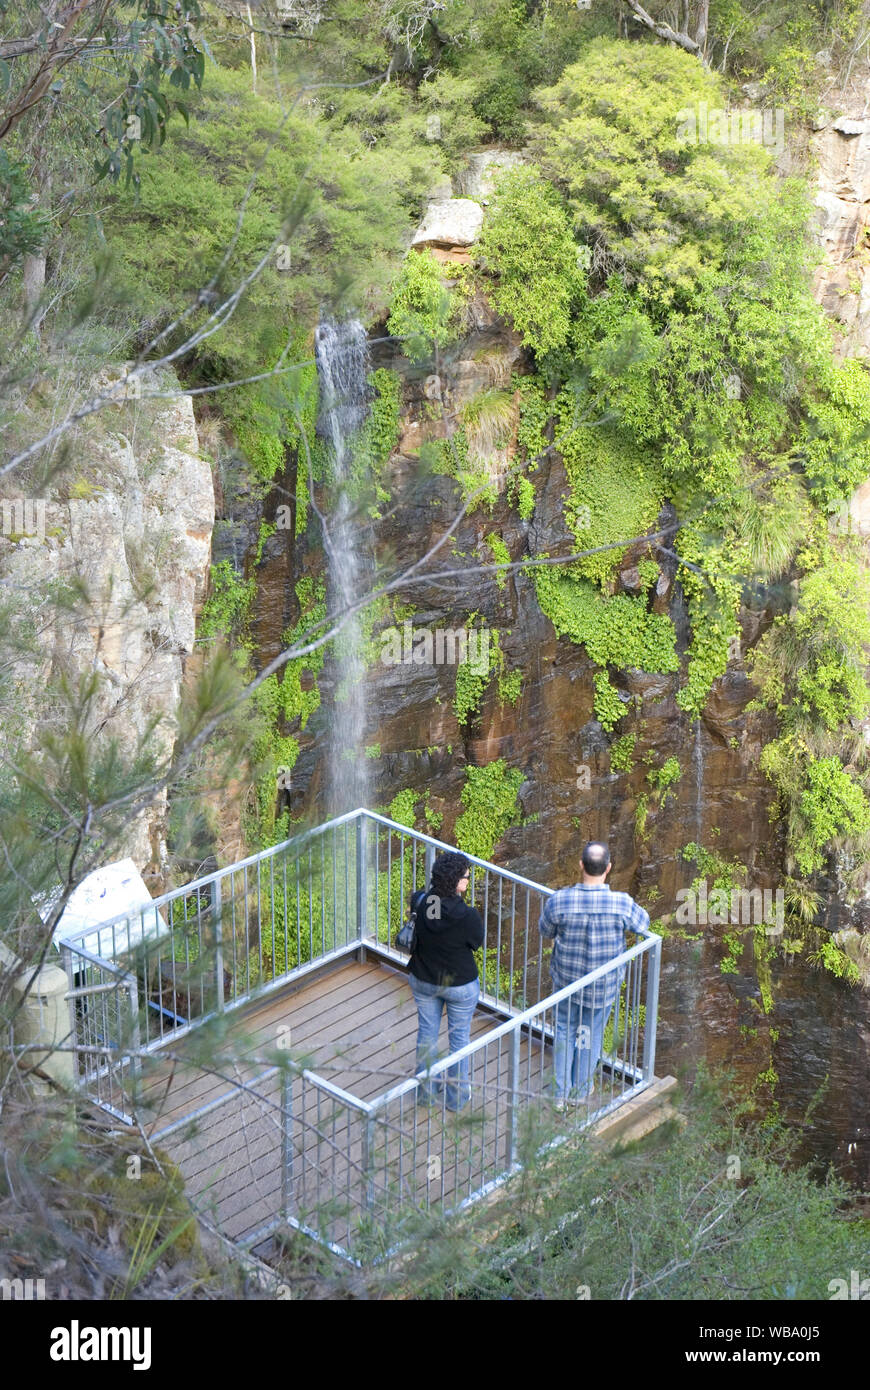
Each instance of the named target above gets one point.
<point>368,1157</point>
<point>286,1144</point>
<point>66,955</point>
<point>361,905</point>
<point>652,1012</point>
<point>513,1085</point>
<point>429,861</point>
<point>216,916</point>
<point>132,986</point>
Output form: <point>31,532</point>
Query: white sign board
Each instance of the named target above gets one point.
<point>116,890</point>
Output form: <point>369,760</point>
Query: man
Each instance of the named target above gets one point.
<point>588,923</point>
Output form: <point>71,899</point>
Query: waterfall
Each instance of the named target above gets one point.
<point>341,354</point>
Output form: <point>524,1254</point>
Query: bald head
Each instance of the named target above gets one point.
<point>596,859</point>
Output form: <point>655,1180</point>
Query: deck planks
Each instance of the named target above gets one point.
<point>287,1146</point>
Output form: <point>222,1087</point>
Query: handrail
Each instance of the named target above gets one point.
<point>518,1020</point>
<point>452,849</point>
<point>195,884</point>
<point>261,856</point>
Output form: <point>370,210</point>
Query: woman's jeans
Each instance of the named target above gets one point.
<point>430,1001</point>
<point>578,1036</point>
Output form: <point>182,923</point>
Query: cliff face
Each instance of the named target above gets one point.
<point>571,791</point>
<point>131,522</point>
<point>840,153</point>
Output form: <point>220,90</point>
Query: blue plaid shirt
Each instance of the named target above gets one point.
<point>589,926</point>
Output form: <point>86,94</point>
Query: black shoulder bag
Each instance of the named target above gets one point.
<point>406,937</point>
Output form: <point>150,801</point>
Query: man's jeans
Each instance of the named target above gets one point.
<point>430,1001</point>
<point>578,1038</point>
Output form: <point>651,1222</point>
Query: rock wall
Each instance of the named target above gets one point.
<point>130,520</point>
<point>571,793</point>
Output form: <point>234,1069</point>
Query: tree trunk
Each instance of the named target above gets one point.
<point>664,31</point>
<point>701,30</point>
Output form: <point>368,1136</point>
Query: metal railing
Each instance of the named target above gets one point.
<point>223,939</point>
<point>424,1154</point>
<point>294,1149</point>
<point>398,860</point>
<point>104,1023</point>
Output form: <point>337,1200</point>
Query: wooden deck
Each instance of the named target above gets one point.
<point>355,1025</point>
<point>284,1147</point>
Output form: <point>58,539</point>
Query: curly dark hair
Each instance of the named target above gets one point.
<point>447,870</point>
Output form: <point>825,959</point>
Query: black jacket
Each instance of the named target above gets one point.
<point>448,931</point>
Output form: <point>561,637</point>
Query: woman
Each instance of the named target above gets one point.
<point>443,971</point>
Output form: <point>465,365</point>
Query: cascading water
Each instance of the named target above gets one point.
<point>341,354</point>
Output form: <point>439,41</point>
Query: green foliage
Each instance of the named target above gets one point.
<point>706,258</point>
<point>810,664</point>
<point>713,600</point>
<point>489,796</point>
<point>810,668</point>
<point>488,419</point>
<point>373,444</point>
<point>723,875</point>
<point>225,611</point>
<point>280,701</point>
<point>499,105</point>
<point>525,498</point>
<point>734,950</point>
<point>835,437</point>
<point>453,456</point>
<point>159,45</point>
<point>474,675</point>
<point>612,139</point>
<point>450,97</point>
<point>535,414</point>
<point>421,306</point>
<point>338,212</point>
<point>832,805</point>
<point>267,530</point>
<point>470,686</point>
<point>401,808</point>
<point>616,487</point>
<point>434,819</point>
<point>665,1218</point>
<point>23,227</point>
<point>301,914</point>
<point>616,631</point>
<point>527,244</point>
<point>509,686</point>
<point>622,753</point>
<point>260,427</point>
<point>834,959</point>
<point>664,777</point>
<point>381,430</point>
<point>501,556</point>
<point>294,702</point>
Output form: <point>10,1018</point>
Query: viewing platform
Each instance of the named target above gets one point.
<point>258,1025</point>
